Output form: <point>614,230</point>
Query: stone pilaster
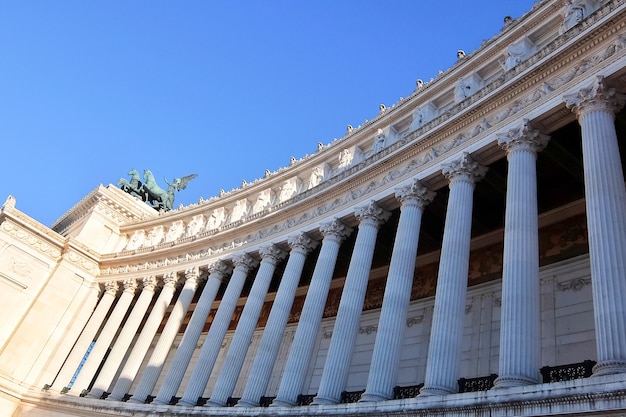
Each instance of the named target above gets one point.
<point>267,352</point>
<point>227,379</point>
<point>303,344</point>
<point>105,338</point>
<point>142,344</point>
<point>124,339</point>
<point>188,344</point>
<point>166,339</point>
<point>520,325</point>
<point>444,350</point>
<point>86,337</point>
<point>337,364</point>
<point>213,342</point>
<point>386,356</point>
<point>605,198</point>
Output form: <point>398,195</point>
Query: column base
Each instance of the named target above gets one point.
<point>113,398</point>
<point>215,403</point>
<point>609,367</point>
<point>187,403</point>
<point>243,403</point>
<point>134,400</point>
<point>372,397</point>
<point>324,401</point>
<point>431,391</point>
<point>282,403</point>
<point>95,394</point>
<point>503,382</point>
<point>160,402</point>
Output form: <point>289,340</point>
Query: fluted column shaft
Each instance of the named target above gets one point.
<point>388,345</point>
<point>267,352</point>
<point>103,342</point>
<point>605,198</point>
<point>213,342</point>
<point>520,325</point>
<point>346,327</point>
<point>124,339</point>
<point>188,343</point>
<point>444,350</point>
<point>294,374</point>
<point>142,344</point>
<point>86,337</point>
<point>166,339</point>
<point>236,355</point>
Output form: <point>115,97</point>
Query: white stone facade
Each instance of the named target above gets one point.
<point>470,238</point>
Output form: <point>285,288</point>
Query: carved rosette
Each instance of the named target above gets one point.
<point>595,98</point>
<point>335,230</point>
<point>245,262</point>
<point>272,253</point>
<point>464,169</point>
<point>523,138</point>
<point>130,286</point>
<point>111,287</point>
<point>372,214</point>
<point>302,242</point>
<point>415,194</point>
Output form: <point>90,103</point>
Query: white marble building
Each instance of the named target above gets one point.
<point>462,253</point>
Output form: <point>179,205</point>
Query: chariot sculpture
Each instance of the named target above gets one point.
<point>150,192</point>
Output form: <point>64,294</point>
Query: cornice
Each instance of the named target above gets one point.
<point>31,237</point>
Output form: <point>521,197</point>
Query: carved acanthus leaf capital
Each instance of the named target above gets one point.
<point>372,213</point>
<point>272,253</point>
<point>170,279</point>
<point>464,169</point>
<point>335,229</point>
<point>149,283</point>
<point>192,273</point>
<point>302,242</point>
<point>245,262</point>
<point>523,138</point>
<point>220,269</point>
<point>130,285</point>
<point>415,193</point>
<point>597,97</point>
<point>111,287</point>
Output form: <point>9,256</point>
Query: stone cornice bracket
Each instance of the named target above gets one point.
<point>415,193</point>
<point>272,253</point>
<point>302,242</point>
<point>245,262</point>
<point>336,229</point>
<point>523,138</point>
<point>464,169</point>
<point>372,213</point>
<point>595,97</point>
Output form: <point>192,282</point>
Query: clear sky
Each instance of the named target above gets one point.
<point>222,89</point>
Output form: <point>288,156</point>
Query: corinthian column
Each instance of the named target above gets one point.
<point>520,325</point>
<point>142,344</point>
<point>166,339</point>
<point>213,342</point>
<point>384,366</point>
<point>103,342</point>
<point>337,364</point>
<point>188,343</point>
<point>266,355</point>
<point>605,198</point>
<point>124,339</point>
<point>86,337</point>
<point>294,373</point>
<point>444,350</point>
<point>227,379</point>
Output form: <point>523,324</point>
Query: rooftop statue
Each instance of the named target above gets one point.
<point>150,192</point>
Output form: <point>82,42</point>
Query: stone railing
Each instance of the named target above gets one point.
<point>482,383</point>
<point>406,392</point>
<point>567,372</point>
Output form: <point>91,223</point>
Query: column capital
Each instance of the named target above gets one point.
<point>597,97</point>
<point>130,286</point>
<point>111,287</point>
<point>192,273</point>
<point>272,253</point>
<point>336,229</point>
<point>220,269</point>
<point>170,279</point>
<point>415,193</point>
<point>464,169</point>
<point>245,262</point>
<point>372,213</point>
<point>302,242</point>
<point>523,138</point>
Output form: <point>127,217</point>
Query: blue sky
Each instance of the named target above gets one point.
<point>222,89</point>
